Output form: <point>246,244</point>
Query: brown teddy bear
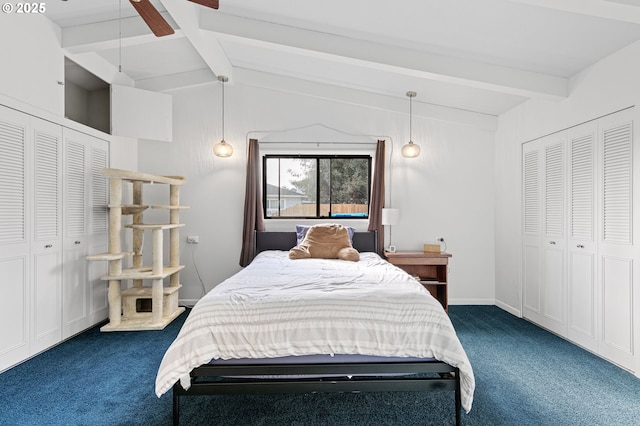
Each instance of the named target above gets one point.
<point>325,241</point>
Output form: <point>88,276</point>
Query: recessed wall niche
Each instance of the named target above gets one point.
<point>86,97</point>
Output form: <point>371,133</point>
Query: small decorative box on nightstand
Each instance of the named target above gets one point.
<point>429,267</point>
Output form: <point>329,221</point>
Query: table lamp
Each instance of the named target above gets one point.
<point>390,217</point>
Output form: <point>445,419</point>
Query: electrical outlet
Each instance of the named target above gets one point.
<point>193,239</point>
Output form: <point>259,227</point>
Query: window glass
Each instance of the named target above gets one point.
<point>316,186</point>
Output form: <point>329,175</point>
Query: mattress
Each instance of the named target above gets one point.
<point>278,307</point>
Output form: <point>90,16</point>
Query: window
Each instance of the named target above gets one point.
<point>316,186</point>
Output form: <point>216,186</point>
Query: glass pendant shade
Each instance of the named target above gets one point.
<point>223,149</point>
<point>410,150</point>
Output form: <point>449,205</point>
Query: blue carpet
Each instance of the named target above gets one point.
<point>524,375</point>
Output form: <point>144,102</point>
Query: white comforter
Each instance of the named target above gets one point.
<point>280,307</point>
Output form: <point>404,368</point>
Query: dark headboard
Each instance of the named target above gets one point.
<point>285,240</point>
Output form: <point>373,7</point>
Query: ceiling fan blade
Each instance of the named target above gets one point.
<point>152,17</point>
<point>208,3</point>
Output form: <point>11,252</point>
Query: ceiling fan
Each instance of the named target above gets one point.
<point>154,19</point>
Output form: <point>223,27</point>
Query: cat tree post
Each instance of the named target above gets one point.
<point>138,234</point>
<point>174,234</point>
<point>115,248</point>
<point>157,269</point>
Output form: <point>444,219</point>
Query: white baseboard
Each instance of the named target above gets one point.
<point>472,302</point>
<point>508,308</point>
<point>187,302</point>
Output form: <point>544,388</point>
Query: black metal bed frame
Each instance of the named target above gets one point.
<point>344,377</point>
<point>224,379</point>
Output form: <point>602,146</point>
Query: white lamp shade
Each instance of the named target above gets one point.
<point>390,216</point>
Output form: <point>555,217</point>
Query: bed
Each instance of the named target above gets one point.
<point>318,335</point>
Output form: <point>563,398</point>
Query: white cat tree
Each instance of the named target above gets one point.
<point>142,307</point>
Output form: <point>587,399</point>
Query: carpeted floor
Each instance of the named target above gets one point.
<point>524,375</point>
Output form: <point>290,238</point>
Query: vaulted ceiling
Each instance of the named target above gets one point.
<point>477,56</point>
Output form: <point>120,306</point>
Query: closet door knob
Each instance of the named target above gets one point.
<point>552,242</point>
<point>48,246</point>
<point>77,242</point>
<point>580,246</point>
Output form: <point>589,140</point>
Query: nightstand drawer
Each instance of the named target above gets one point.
<point>413,260</point>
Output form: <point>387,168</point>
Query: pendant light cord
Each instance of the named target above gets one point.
<point>410,118</point>
<point>120,36</point>
<point>223,110</point>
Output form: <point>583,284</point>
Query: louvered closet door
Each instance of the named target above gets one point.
<point>582,246</point>
<point>554,233</point>
<point>532,230</point>
<point>75,289</point>
<point>46,246</point>
<point>86,231</point>
<point>98,226</point>
<point>14,243</point>
<point>615,237</point>
<point>544,236</point>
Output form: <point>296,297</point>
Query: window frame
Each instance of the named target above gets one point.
<point>317,157</point>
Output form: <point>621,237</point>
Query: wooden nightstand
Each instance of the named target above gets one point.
<point>430,267</point>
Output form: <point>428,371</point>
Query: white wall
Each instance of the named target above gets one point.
<point>446,192</point>
<point>607,86</point>
<point>32,61</point>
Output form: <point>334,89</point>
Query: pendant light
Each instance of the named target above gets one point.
<point>222,148</point>
<point>410,150</point>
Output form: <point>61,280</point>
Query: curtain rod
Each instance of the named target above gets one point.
<point>317,142</point>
